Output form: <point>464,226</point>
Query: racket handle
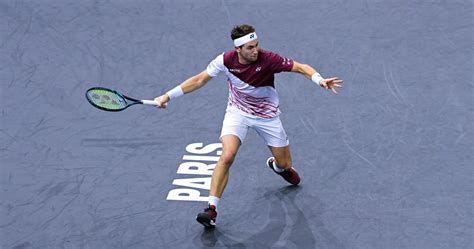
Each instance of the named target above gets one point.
<point>149,102</point>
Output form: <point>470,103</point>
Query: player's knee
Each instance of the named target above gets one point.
<point>227,158</point>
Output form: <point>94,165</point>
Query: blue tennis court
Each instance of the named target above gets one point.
<point>386,163</point>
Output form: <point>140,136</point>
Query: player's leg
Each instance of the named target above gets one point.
<point>281,164</point>
<point>230,146</point>
<point>282,157</point>
<point>272,131</point>
<point>220,176</point>
<point>234,130</point>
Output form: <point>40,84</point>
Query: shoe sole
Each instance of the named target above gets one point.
<point>205,221</point>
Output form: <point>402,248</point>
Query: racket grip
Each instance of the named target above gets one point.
<point>149,102</point>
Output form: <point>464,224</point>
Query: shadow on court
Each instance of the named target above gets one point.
<point>287,227</point>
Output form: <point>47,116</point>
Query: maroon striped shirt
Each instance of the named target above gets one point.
<point>251,86</point>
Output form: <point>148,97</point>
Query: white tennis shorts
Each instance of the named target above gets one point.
<point>270,129</point>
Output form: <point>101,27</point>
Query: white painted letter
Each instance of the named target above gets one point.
<point>185,194</point>
<point>202,183</point>
<point>196,168</point>
<point>193,148</point>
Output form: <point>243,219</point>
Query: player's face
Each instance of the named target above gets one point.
<point>249,51</point>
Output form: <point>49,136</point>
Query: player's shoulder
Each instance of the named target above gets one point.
<point>219,59</point>
<point>228,55</point>
<point>230,58</point>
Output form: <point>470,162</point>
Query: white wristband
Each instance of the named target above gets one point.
<point>175,92</point>
<point>316,78</point>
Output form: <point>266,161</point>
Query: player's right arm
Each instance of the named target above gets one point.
<point>310,73</point>
<point>197,81</point>
<point>189,85</point>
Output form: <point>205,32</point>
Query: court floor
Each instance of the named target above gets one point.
<point>387,163</point>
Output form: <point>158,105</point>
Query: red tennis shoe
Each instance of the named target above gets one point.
<point>208,217</point>
<point>290,175</point>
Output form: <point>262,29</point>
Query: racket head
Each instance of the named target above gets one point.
<point>106,99</point>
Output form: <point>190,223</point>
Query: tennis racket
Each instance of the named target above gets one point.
<point>111,100</point>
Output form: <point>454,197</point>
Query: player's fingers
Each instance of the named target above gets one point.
<point>160,105</point>
<point>334,90</point>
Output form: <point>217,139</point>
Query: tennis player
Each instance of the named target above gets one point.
<point>253,103</point>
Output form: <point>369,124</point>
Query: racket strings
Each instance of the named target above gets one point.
<point>107,99</point>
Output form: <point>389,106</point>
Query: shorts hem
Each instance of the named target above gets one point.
<point>226,134</point>
<point>278,145</point>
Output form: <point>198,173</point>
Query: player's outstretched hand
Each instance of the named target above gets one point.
<point>331,84</point>
<point>162,101</point>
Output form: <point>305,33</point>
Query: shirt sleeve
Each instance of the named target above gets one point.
<point>280,63</point>
<point>216,66</point>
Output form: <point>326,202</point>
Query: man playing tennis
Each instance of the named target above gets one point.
<point>253,103</point>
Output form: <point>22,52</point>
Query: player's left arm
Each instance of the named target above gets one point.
<point>310,73</point>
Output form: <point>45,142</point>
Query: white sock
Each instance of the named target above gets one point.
<point>214,200</point>
<point>275,167</point>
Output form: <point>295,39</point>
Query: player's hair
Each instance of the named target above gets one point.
<point>241,30</point>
